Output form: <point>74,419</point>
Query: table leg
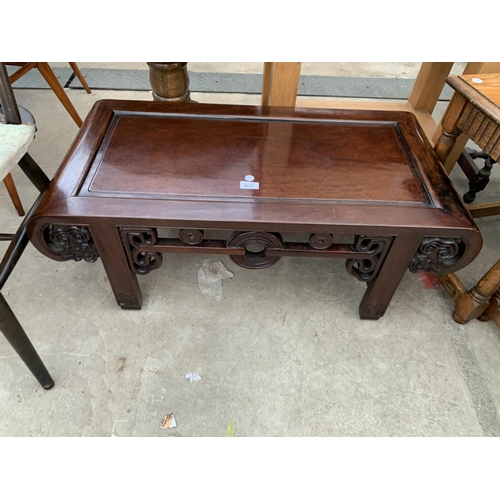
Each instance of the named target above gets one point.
<point>381,289</point>
<point>114,259</point>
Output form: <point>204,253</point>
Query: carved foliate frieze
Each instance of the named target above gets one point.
<point>437,254</point>
<point>71,242</point>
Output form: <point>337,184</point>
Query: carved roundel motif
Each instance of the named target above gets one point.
<point>321,241</point>
<point>255,244</point>
<point>191,236</point>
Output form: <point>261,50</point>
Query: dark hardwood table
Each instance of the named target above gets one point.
<point>364,186</point>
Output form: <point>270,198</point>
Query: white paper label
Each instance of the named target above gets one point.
<point>249,185</point>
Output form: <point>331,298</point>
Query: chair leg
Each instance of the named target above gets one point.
<point>34,173</point>
<point>80,77</point>
<point>18,339</point>
<point>14,195</point>
<point>54,84</point>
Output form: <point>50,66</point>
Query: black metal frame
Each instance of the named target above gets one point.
<point>9,324</point>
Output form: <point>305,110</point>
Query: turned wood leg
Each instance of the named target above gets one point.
<point>381,289</point>
<point>474,303</point>
<point>123,281</point>
<point>450,131</point>
<point>169,81</point>
<point>18,339</point>
<point>493,307</point>
<point>54,84</point>
<point>14,195</point>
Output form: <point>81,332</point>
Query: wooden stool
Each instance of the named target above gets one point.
<point>474,111</point>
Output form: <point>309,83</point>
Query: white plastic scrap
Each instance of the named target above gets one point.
<point>193,377</point>
<point>210,276</point>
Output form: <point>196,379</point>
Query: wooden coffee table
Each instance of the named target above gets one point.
<point>364,186</point>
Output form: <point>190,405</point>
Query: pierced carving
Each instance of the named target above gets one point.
<point>71,242</point>
<point>366,267</point>
<point>437,254</point>
<point>138,243</point>
<point>321,241</point>
<point>191,236</point>
<point>255,259</point>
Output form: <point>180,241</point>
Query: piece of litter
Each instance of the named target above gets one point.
<point>210,276</point>
<point>193,377</point>
<point>230,429</point>
<point>168,422</point>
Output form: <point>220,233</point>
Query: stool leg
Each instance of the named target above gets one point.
<point>54,84</point>
<point>18,339</point>
<point>14,195</point>
<point>381,289</point>
<point>474,303</point>
<point>450,131</point>
<point>123,281</point>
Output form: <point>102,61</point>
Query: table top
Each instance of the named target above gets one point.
<point>246,165</point>
<point>482,89</point>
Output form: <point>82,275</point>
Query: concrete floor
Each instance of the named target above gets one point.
<point>283,354</point>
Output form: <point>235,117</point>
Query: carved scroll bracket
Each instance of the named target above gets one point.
<point>373,250</point>
<point>138,243</point>
<point>70,242</point>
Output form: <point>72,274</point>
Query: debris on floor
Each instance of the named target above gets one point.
<point>210,277</point>
<point>431,281</point>
<point>230,429</point>
<point>193,377</point>
<point>168,422</point>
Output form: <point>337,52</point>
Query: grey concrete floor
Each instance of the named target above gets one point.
<point>283,354</point>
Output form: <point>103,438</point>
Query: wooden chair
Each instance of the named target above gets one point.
<point>51,79</point>
<point>9,324</point>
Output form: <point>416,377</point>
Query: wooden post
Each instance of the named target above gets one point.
<point>280,84</point>
<point>429,85</point>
